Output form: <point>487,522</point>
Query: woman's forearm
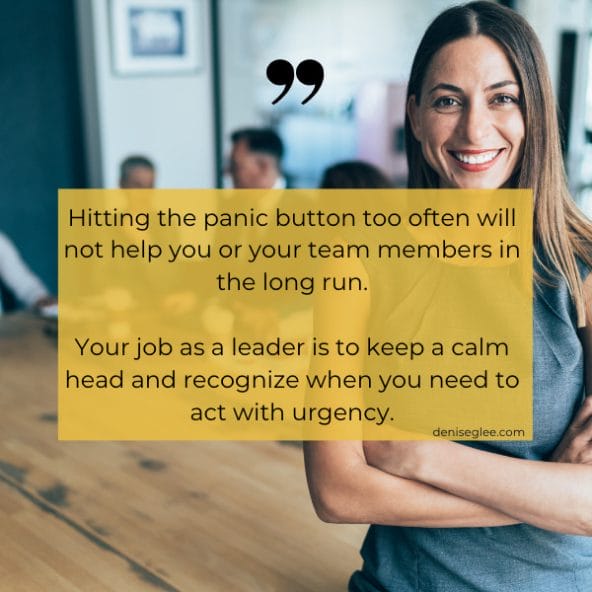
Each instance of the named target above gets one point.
<point>553,496</point>
<point>550,495</point>
<point>345,489</point>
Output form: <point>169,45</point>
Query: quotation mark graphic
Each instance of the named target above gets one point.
<point>308,72</point>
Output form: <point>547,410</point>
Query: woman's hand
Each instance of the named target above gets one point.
<point>576,445</point>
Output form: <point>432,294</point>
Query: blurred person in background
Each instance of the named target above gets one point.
<point>18,281</point>
<point>255,159</point>
<point>137,172</point>
<point>354,174</point>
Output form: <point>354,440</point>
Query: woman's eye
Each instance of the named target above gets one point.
<point>446,103</point>
<point>505,99</point>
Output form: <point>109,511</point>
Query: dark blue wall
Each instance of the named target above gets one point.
<point>40,125</point>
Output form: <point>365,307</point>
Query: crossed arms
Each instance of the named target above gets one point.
<point>440,483</point>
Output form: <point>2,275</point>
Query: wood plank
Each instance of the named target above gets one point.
<point>215,516</point>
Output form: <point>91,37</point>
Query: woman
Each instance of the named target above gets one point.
<point>480,114</point>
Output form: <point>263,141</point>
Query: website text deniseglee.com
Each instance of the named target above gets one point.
<point>474,433</point>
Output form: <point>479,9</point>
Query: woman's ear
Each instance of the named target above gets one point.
<point>414,120</point>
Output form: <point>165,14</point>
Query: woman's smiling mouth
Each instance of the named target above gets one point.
<point>475,160</point>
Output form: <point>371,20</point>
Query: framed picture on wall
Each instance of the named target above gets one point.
<point>156,36</point>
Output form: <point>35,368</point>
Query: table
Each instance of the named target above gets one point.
<point>135,516</point>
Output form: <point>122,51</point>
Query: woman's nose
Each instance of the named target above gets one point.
<point>476,123</point>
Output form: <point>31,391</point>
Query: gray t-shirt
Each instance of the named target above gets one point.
<point>519,558</point>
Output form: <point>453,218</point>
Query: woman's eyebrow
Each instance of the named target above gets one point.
<point>457,89</point>
<point>502,84</point>
<point>445,86</point>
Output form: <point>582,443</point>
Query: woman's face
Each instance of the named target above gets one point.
<point>469,121</point>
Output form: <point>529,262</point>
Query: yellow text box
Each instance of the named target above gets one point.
<point>298,314</point>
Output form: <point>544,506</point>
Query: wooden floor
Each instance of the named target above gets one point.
<point>178,516</point>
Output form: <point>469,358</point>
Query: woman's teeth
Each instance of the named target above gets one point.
<point>480,158</point>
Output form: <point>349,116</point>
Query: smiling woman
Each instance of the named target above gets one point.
<point>480,114</point>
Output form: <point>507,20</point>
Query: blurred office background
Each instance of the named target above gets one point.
<point>69,115</point>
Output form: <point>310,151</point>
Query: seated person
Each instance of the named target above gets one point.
<point>16,276</point>
<point>255,159</point>
<point>354,174</point>
<point>137,172</point>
